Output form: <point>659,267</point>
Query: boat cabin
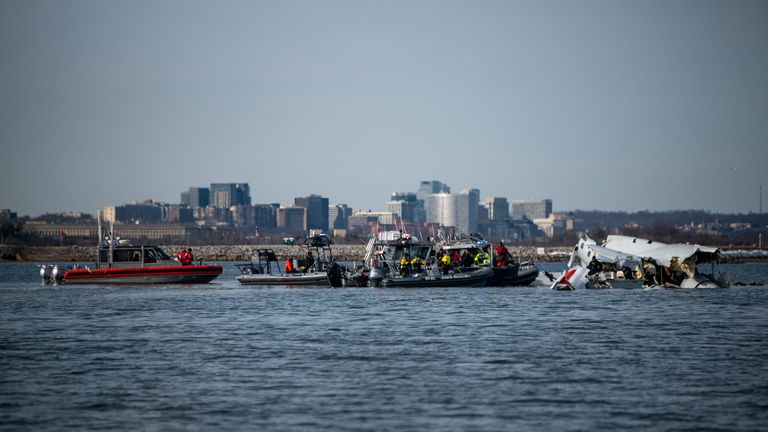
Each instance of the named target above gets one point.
<point>133,256</point>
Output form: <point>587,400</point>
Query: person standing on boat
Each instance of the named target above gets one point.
<point>445,260</point>
<point>180,256</point>
<point>189,258</point>
<point>289,265</point>
<point>502,255</point>
<point>310,261</point>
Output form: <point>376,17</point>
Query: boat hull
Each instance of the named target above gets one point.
<point>475,278</point>
<point>300,279</point>
<point>144,275</point>
<point>513,276</point>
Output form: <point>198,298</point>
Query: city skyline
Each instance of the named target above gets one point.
<point>595,104</point>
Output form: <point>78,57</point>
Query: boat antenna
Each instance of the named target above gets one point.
<point>111,240</point>
<point>98,221</point>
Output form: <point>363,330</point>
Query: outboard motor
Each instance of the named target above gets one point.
<point>57,275</point>
<point>377,275</point>
<point>336,275</point>
<point>45,273</point>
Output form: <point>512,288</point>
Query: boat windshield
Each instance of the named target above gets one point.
<point>161,255</point>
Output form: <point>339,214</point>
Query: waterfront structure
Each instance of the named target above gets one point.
<point>317,211</point>
<point>130,231</point>
<point>292,220</point>
<point>226,195</point>
<point>531,209</point>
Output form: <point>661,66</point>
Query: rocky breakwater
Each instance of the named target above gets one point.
<point>204,253</point>
<point>47,253</point>
<point>245,252</point>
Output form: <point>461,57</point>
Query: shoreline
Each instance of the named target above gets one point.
<point>243,253</point>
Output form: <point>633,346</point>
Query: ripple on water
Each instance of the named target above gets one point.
<point>226,357</point>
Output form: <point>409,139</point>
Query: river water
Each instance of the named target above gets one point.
<point>227,357</point>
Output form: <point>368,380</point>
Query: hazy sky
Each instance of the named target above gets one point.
<point>613,105</point>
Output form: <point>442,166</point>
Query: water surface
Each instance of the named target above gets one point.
<point>226,357</point>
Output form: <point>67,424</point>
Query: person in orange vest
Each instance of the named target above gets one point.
<point>289,265</point>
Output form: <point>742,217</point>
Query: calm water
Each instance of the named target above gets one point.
<point>225,357</point>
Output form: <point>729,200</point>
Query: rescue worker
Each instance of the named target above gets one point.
<point>180,256</point>
<point>289,266</point>
<point>483,258</point>
<point>310,261</point>
<point>466,259</point>
<point>594,266</point>
<point>404,263</point>
<point>455,259</point>
<point>446,261</point>
<point>189,256</point>
<point>416,264</point>
<point>502,255</point>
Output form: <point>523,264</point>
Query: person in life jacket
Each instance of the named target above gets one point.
<point>185,257</point>
<point>416,264</point>
<point>404,264</point>
<point>289,265</point>
<point>446,263</point>
<point>502,255</point>
<point>483,258</point>
<point>455,259</point>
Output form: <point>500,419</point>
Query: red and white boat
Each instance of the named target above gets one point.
<point>119,262</point>
<point>125,264</point>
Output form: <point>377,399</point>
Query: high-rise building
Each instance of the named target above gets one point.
<point>198,197</point>
<point>146,212</point>
<point>292,220</point>
<point>427,188</point>
<point>531,209</point>
<point>466,208</point>
<point>440,209</point>
<point>456,210</point>
<point>407,207</point>
<point>265,215</point>
<point>498,209</point>
<point>338,216</point>
<point>317,211</point>
<point>226,195</point>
